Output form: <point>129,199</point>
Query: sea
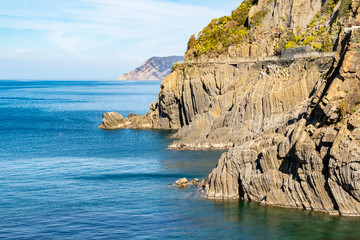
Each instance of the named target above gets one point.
<point>61,177</point>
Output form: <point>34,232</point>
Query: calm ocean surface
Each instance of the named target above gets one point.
<point>63,178</point>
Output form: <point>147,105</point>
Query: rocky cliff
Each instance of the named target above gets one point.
<point>291,124</point>
<point>155,68</point>
<point>311,164</point>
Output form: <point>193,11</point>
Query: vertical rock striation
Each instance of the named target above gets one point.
<point>311,164</point>
<point>220,105</point>
<point>292,125</point>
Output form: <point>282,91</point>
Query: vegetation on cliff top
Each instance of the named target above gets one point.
<point>318,34</point>
<point>243,24</point>
<point>223,32</point>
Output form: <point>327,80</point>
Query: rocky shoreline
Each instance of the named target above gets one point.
<point>292,126</point>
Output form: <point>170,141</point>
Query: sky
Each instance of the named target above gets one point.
<point>96,39</point>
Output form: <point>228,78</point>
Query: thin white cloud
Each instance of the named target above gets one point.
<point>17,52</point>
<point>87,30</point>
<point>106,15</point>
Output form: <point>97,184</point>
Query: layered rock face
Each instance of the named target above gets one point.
<point>155,68</point>
<point>221,102</point>
<point>222,105</point>
<point>114,120</point>
<point>215,105</point>
<point>262,28</point>
<point>311,164</point>
<point>291,125</point>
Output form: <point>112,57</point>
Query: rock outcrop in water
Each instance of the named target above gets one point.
<point>291,124</point>
<point>111,120</point>
<point>155,68</point>
<point>181,183</point>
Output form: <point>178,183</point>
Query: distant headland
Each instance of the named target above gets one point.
<point>155,68</point>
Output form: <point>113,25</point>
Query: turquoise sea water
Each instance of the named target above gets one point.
<point>63,178</point>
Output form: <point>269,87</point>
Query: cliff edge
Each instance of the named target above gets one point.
<point>276,83</point>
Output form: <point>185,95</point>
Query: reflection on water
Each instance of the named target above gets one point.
<point>279,223</point>
<point>86,183</point>
<point>193,163</point>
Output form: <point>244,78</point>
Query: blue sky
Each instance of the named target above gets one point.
<point>96,39</point>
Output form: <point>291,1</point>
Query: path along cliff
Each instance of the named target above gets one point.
<point>292,125</point>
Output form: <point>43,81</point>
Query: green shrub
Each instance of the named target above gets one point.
<point>309,40</point>
<point>256,19</point>
<point>345,8</point>
<point>317,46</point>
<point>313,22</point>
<point>298,38</point>
<point>329,6</point>
<point>225,31</point>
<point>290,44</point>
<point>327,46</point>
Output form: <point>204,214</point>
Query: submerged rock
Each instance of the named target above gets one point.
<point>202,183</point>
<point>194,181</point>
<point>181,183</point>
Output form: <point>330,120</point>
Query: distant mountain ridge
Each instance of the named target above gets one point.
<point>155,68</point>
